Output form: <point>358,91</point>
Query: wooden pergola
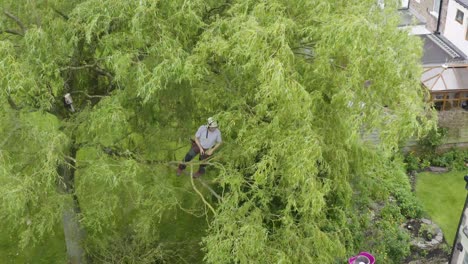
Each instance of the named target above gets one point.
<point>448,85</point>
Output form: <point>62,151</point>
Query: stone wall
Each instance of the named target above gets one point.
<point>456,123</point>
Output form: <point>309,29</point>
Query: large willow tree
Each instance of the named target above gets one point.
<point>294,84</point>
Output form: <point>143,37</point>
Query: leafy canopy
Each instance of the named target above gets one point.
<point>294,84</point>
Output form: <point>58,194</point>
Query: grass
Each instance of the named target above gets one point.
<point>442,196</point>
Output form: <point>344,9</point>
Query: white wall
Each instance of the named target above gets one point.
<point>454,31</point>
<point>404,3</point>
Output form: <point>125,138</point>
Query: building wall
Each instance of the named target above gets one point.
<point>454,31</point>
<point>425,9</point>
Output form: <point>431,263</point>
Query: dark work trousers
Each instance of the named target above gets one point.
<point>194,151</point>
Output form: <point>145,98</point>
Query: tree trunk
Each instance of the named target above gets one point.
<point>74,234</point>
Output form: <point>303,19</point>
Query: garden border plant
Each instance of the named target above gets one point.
<point>428,155</point>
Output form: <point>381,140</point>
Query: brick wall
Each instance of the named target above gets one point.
<point>424,7</point>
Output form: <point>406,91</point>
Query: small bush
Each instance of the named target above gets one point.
<point>427,232</point>
<point>454,159</point>
<point>412,162</point>
<point>394,241</point>
<point>433,139</point>
<point>409,205</point>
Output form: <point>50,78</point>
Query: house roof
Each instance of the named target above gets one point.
<point>409,18</point>
<point>437,50</point>
<point>464,3</point>
<point>446,77</point>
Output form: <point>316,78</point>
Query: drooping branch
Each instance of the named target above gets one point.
<point>199,193</point>
<point>16,19</point>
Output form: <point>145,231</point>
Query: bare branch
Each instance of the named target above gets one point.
<point>93,66</point>
<point>200,194</point>
<point>20,24</point>
<point>86,66</point>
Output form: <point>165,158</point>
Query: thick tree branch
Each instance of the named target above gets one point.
<point>12,103</point>
<point>89,96</point>
<point>6,138</point>
<point>127,154</point>
<point>93,66</point>
<point>86,66</point>
<point>216,10</point>
<point>11,31</point>
<point>20,24</point>
<point>104,72</point>
<point>200,194</point>
<point>61,14</point>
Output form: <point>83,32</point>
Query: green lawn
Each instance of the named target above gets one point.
<point>442,196</point>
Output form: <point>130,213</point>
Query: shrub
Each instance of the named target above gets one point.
<point>409,205</point>
<point>454,159</point>
<point>428,232</point>
<point>389,243</point>
<point>433,139</point>
<point>412,162</point>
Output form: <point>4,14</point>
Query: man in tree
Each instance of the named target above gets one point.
<point>207,140</point>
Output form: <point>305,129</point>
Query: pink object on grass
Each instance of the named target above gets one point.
<point>363,257</point>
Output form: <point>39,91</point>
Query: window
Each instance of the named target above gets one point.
<point>435,8</point>
<point>459,17</point>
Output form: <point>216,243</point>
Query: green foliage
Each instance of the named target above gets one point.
<point>389,243</point>
<point>29,174</point>
<point>412,162</point>
<point>455,159</point>
<point>427,231</point>
<point>409,206</point>
<point>432,139</point>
